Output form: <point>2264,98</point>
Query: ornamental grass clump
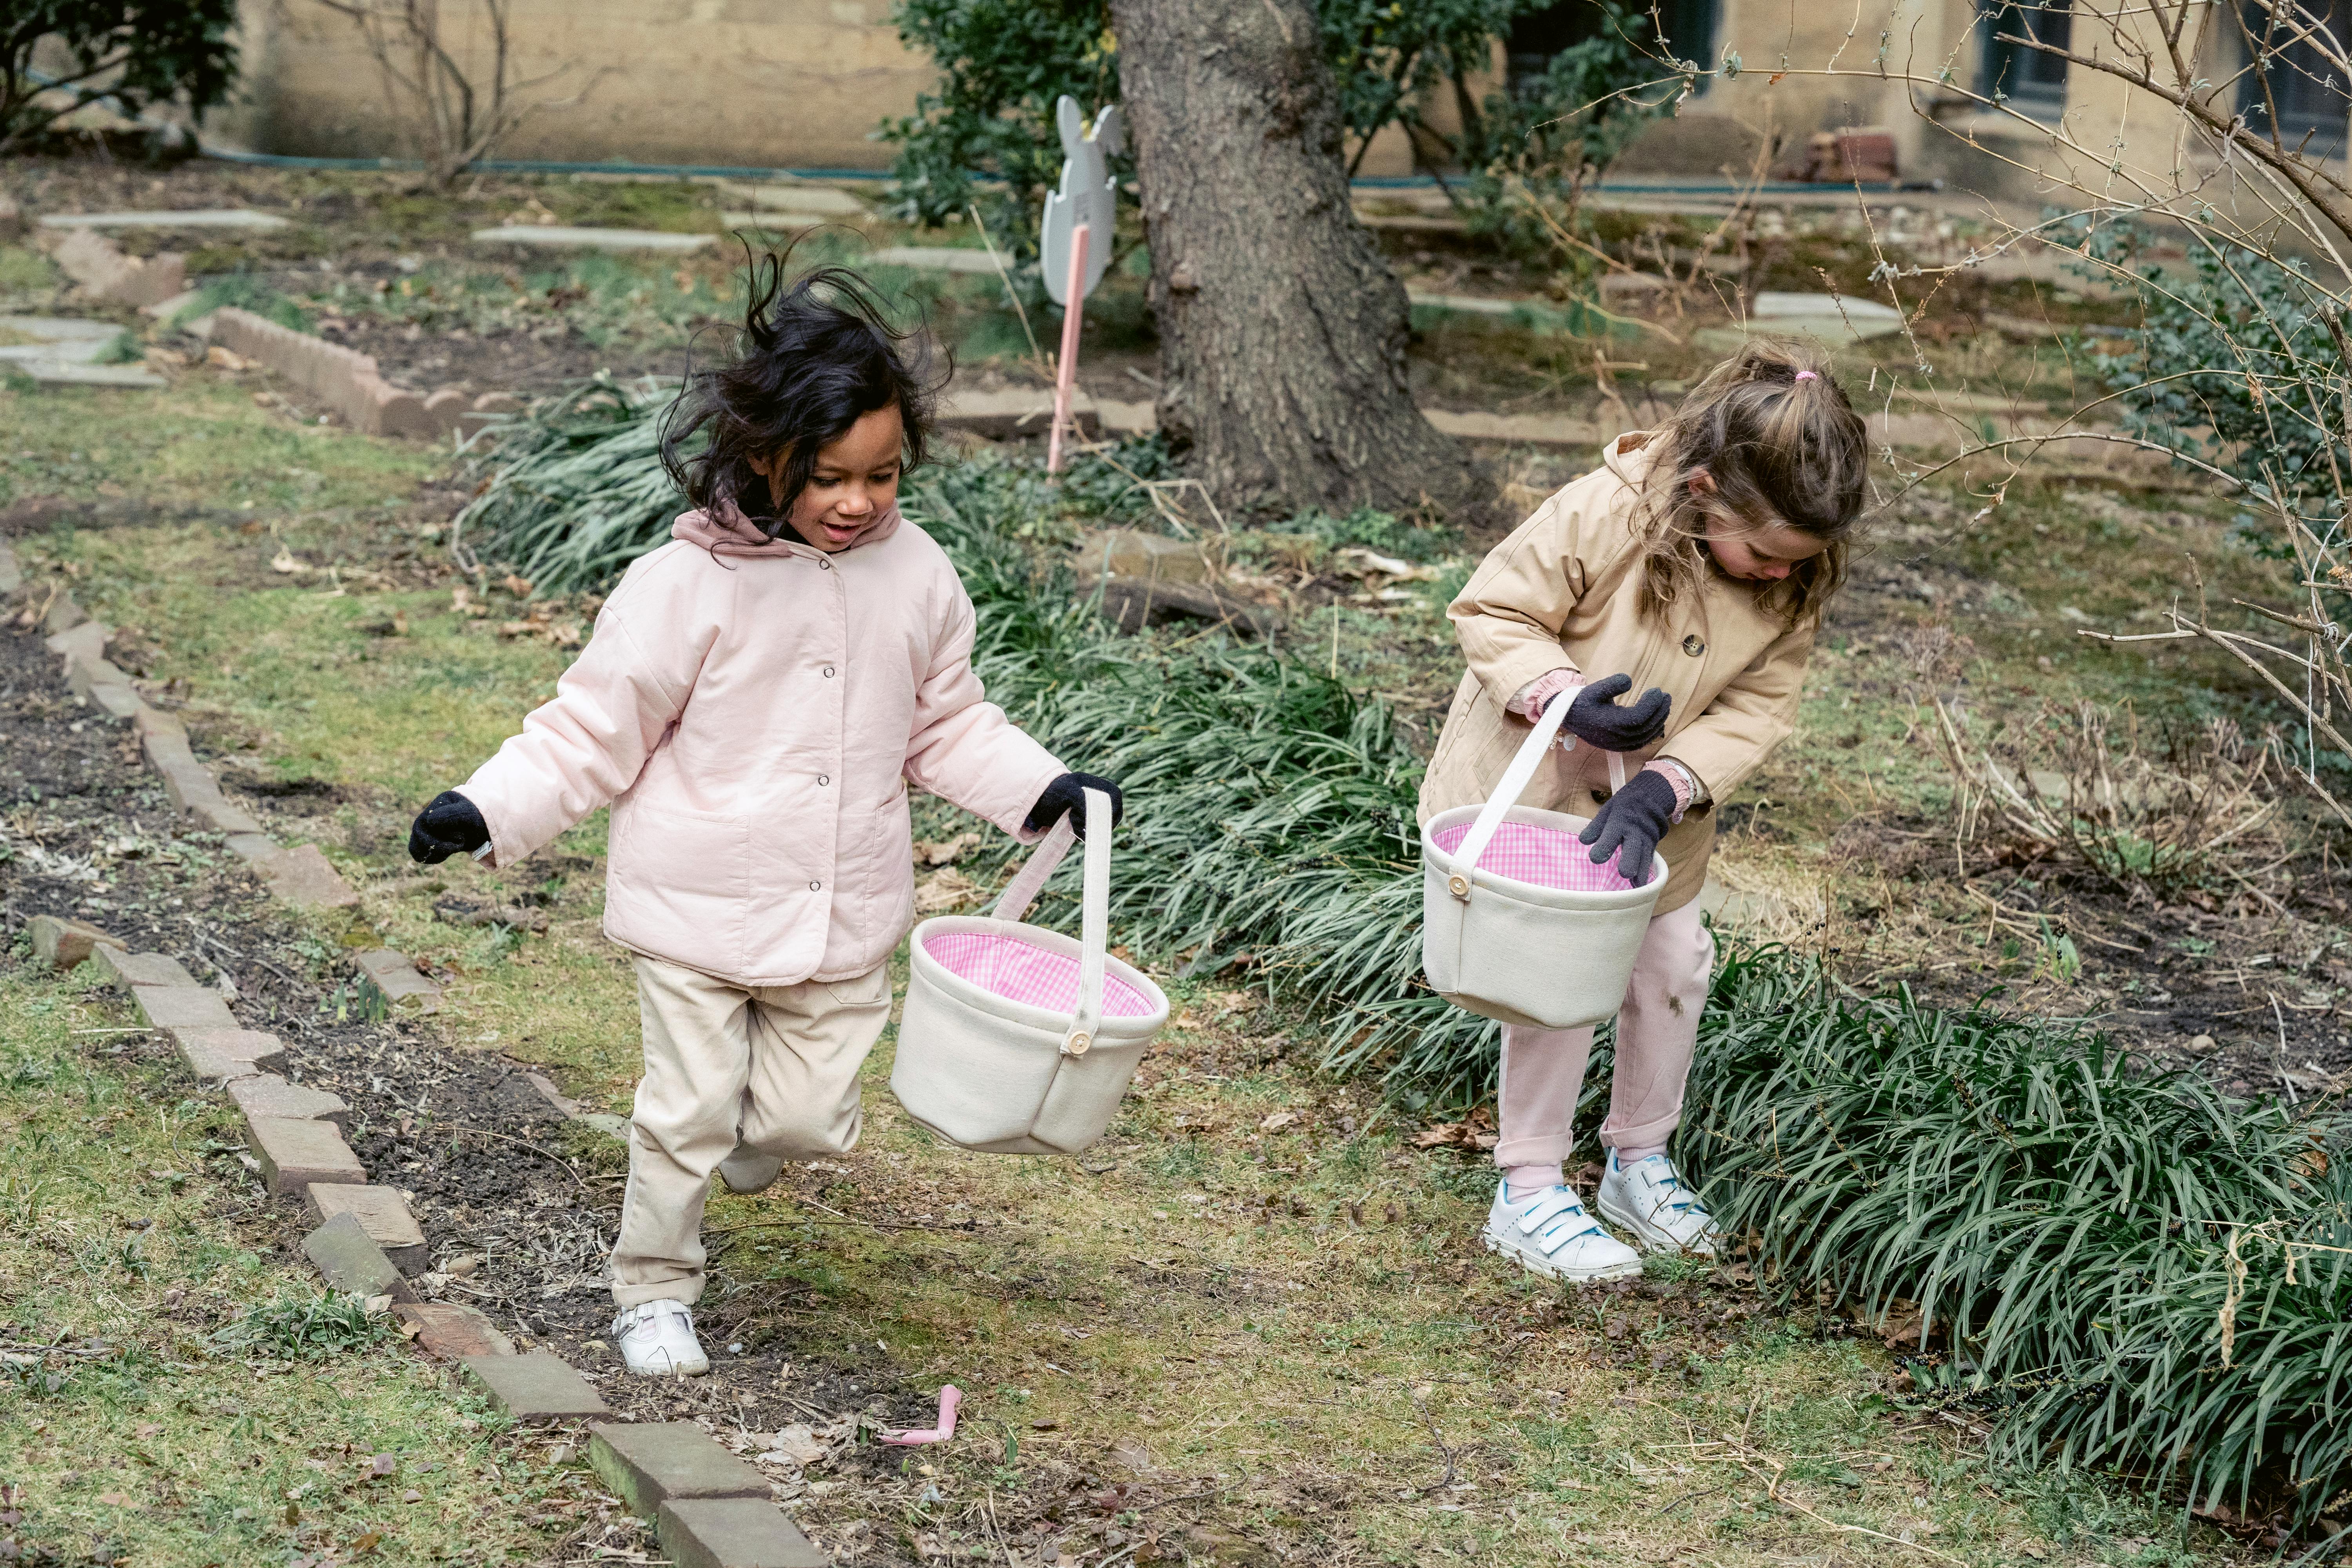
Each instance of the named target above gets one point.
<point>2131,1270</point>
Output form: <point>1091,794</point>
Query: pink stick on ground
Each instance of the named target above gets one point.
<point>1067,373</point>
<point>949,1397</point>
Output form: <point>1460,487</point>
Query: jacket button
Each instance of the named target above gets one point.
<point>828,672</point>
<point>1693,645</point>
<point>1601,798</point>
<point>823,779</point>
<point>816,887</point>
<point>822,564</point>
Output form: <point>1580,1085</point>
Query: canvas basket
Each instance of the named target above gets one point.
<point>1517,923</point>
<point>1020,1040</point>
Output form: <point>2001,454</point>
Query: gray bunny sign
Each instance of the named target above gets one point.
<point>1088,197</point>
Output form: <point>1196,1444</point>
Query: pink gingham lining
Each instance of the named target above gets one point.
<point>1539,856</point>
<point>1020,971</point>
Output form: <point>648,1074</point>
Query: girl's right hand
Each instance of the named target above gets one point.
<point>448,826</point>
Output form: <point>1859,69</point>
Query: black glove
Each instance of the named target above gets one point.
<point>1635,819</point>
<point>1595,717</point>
<point>1068,794</point>
<point>448,826</point>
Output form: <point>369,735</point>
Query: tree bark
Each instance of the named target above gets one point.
<point>1282,332</point>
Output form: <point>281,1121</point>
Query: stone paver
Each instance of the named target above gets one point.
<point>734,1532</point>
<point>223,816</point>
<point>61,943</point>
<point>53,372</point>
<point>253,849</point>
<point>64,614</point>
<point>349,1260</point>
<point>223,1056</point>
<point>534,1388</point>
<point>1519,429</point>
<point>194,217</point>
<point>382,1212</point>
<point>452,1331</point>
<point>266,1094</point>
<point>294,1153</point>
<point>129,970</point>
<point>934,258</point>
<point>396,978</point>
<point>770,198</point>
<point>64,340</point>
<point>183,1007</point>
<point>302,877</point>
<point>647,1464</point>
<point>555,236</point>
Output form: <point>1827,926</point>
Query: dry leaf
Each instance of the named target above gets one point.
<point>944,851</point>
<point>1278,1121</point>
<point>518,587</point>
<point>944,890</point>
<point>226,360</point>
<point>799,1443</point>
<point>284,561</point>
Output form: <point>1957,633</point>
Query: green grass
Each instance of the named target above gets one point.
<point>203,445</point>
<point>223,1412</point>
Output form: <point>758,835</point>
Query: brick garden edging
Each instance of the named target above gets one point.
<point>707,1507</point>
<point>348,381</point>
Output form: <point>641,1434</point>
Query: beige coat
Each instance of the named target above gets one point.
<point>1565,590</point>
<point>754,710</point>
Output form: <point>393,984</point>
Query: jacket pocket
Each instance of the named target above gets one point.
<point>681,886</point>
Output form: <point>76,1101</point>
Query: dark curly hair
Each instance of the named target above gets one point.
<point>816,354</point>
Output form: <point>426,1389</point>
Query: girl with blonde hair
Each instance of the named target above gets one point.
<point>1694,566</point>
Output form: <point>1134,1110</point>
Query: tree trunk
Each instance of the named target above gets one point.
<point>1282,332</point>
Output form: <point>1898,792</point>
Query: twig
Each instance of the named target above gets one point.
<point>525,1143</point>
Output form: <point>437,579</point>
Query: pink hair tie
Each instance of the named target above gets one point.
<point>1807,376</point>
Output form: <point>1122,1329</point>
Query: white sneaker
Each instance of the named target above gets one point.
<point>749,1170</point>
<point>1651,1201</point>
<point>1551,1234</point>
<point>657,1340</point>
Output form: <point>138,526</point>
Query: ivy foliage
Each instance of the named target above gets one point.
<point>137,53</point>
<point>2236,364</point>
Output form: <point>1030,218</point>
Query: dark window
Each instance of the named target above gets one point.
<point>1537,36</point>
<point>2305,84</point>
<point>2017,73</point>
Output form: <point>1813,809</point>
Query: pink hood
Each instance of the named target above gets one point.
<point>727,531</point>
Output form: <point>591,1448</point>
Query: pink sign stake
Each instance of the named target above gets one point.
<point>949,1396</point>
<point>1067,370</point>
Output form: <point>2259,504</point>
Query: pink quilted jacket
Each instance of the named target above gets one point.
<point>754,710</point>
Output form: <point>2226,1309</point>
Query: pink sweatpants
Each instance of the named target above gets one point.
<point>1543,1069</point>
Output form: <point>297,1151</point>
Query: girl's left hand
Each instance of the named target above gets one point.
<point>1068,794</point>
<point>1629,823</point>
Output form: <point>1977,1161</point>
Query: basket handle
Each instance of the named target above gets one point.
<point>1094,927</point>
<point>1094,921</point>
<point>1508,789</point>
<point>1043,861</point>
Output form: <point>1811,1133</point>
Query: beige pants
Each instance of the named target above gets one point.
<point>773,1067</point>
<point>1657,1030</point>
